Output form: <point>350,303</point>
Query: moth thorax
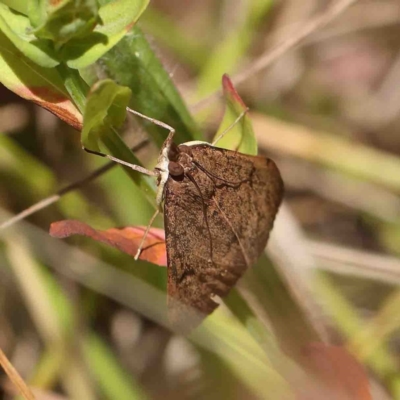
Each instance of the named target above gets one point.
<point>185,149</point>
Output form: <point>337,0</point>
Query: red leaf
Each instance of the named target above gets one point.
<point>338,372</point>
<point>125,239</point>
<point>57,103</point>
<point>230,92</point>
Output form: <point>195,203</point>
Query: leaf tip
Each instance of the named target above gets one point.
<point>57,229</point>
<point>230,92</point>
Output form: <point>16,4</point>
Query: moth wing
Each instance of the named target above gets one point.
<point>216,228</point>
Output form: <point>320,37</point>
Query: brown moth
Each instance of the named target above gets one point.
<point>219,207</point>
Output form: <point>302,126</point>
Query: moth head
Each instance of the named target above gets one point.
<point>175,169</point>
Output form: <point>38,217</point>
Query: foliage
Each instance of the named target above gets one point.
<point>86,61</point>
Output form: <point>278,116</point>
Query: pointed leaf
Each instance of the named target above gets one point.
<point>105,109</point>
<point>241,136</point>
<point>41,85</point>
<point>105,112</point>
<point>117,18</point>
<point>18,29</point>
<point>126,239</point>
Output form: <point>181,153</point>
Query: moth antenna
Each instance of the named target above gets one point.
<point>145,234</point>
<point>122,162</point>
<point>230,126</point>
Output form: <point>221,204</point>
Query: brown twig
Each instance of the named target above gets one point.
<point>15,377</point>
<point>67,189</point>
<point>269,57</point>
<point>289,43</point>
<point>55,197</point>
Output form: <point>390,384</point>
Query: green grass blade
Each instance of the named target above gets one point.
<point>113,381</point>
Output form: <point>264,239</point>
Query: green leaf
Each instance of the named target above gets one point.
<point>68,19</point>
<point>74,85</point>
<point>37,12</point>
<point>251,321</point>
<point>17,28</point>
<point>105,112</point>
<point>105,109</point>
<point>242,355</point>
<point>133,63</point>
<point>114,382</point>
<point>43,86</point>
<point>117,19</point>
<point>21,6</point>
<point>240,137</point>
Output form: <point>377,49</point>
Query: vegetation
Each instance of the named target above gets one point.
<point>319,311</point>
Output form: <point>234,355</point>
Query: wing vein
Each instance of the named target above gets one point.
<point>234,232</point>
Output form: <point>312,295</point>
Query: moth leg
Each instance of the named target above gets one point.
<point>161,170</point>
<point>163,160</point>
<point>135,167</point>
<point>145,234</point>
<point>153,120</point>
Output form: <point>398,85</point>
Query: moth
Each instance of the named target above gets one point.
<point>219,207</point>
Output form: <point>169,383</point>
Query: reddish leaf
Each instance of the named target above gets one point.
<point>241,136</point>
<point>231,93</point>
<point>41,85</point>
<point>338,372</point>
<point>57,103</point>
<point>125,239</point>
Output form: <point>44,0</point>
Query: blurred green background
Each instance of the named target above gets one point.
<point>79,320</point>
